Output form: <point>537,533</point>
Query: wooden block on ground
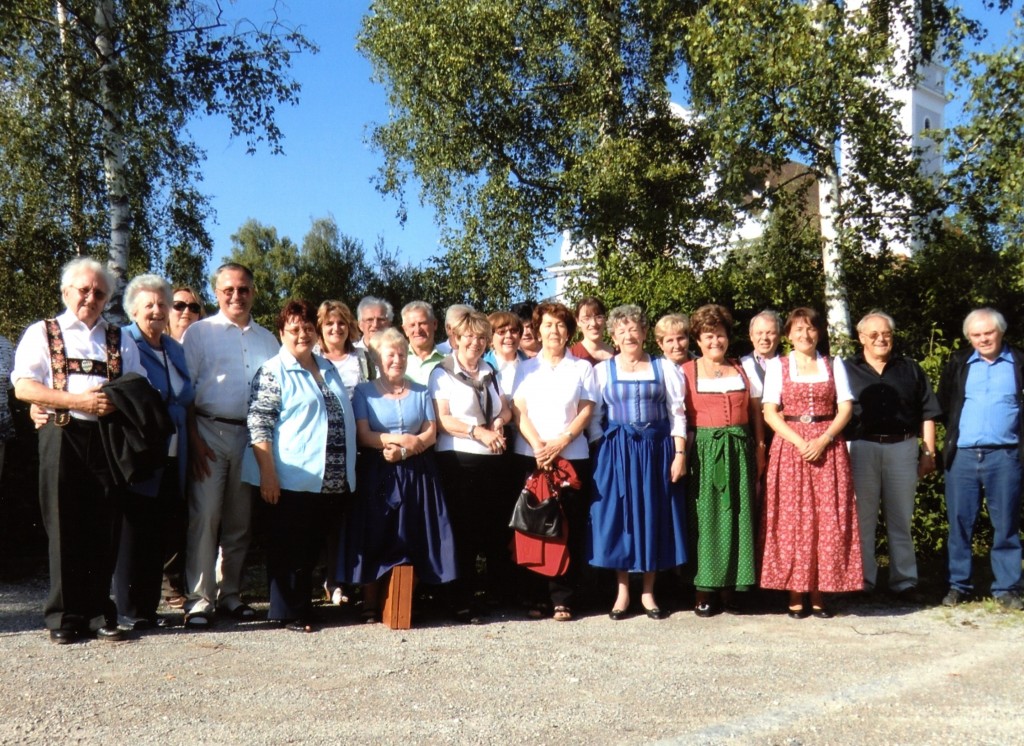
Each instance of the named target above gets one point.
<point>398,598</point>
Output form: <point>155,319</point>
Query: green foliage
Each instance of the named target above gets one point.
<point>523,119</point>
<point>93,115</point>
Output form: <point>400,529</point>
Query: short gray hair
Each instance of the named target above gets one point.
<point>389,337</point>
<point>152,283</point>
<point>991,313</point>
<point>418,305</point>
<point>455,314</point>
<point>622,314</point>
<point>876,314</point>
<point>373,302</point>
<point>81,265</point>
<point>771,316</point>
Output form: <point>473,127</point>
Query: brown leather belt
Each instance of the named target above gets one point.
<point>809,418</point>
<point>886,439</point>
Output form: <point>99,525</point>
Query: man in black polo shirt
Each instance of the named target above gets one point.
<point>894,405</point>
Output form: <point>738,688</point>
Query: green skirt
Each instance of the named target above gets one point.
<point>722,509</point>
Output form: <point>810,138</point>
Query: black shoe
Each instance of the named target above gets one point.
<point>298,625</point>
<point>954,597</point>
<point>911,596</point>
<point>134,624</point>
<point>820,612</point>
<point>800,613</point>
<point>704,609</point>
<point>617,615</point>
<point>63,636</point>
<point>655,613</point>
<point>109,633</point>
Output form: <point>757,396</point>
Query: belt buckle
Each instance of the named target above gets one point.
<point>806,419</point>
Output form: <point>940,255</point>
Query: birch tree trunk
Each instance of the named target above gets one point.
<point>113,155</point>
<point>837,310</point>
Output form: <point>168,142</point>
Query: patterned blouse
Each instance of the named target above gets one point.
<point>265,411</point>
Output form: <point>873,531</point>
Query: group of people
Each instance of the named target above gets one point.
<point>374,447</point>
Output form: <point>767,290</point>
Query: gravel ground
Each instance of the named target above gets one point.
<point>876,674</point>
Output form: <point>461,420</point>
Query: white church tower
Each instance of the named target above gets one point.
<point>921,110</point>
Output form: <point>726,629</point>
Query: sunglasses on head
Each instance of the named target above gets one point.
<point>180,306</point>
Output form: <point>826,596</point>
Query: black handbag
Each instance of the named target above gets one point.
<point>534,515</point>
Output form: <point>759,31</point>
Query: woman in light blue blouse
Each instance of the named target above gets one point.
<point>303,439</point>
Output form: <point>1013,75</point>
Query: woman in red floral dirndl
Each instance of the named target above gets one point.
<point>809,528</point>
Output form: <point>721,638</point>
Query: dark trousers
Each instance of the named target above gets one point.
<point>479,507</point>
<point>79,507</point>
<point>297,528</point>
<point>140,553</point>
<point>576,504</point>
<point>174,539</point>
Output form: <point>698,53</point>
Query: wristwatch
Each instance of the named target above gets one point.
<point>404,452</point>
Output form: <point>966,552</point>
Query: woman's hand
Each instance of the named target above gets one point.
<point>495,441</point>
<point>393,453</point>
<point>550,450</point>
<point>270,488</point>
<point>678,470</point>
<point>814,449</point>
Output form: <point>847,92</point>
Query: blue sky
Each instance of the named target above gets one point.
<point>327,166</point>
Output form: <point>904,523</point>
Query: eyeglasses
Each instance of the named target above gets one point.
<point>879,335</point>
<point>587,320</point>
<point>240,290</point>
<point>96,293</point>
<point>507,331</point>
<point>180,306</point>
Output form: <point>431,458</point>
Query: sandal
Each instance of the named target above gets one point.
<point>562,614</point>
<point>243,613</point>
<point>198,620</point>
<point>538,611</point>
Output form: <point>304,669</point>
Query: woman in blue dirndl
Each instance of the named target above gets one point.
<point>638,517</point>
<point>399,515</point>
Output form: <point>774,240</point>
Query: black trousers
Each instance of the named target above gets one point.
<point>576,504</point>
<point>79,504</point>
<point>479,504</point>
<point>139,568</point>
<point>297,528</point>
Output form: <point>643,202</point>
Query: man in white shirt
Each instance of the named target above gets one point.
<point>223,353</point>
<point>765,333</point>
<point>59,366</point>
<point>372,315</point>
<point>420,326</point>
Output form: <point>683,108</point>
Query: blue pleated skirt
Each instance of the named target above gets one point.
<point>638,516</point>
<point>398,517</point>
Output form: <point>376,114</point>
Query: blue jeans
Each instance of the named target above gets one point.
<point>996,472</point>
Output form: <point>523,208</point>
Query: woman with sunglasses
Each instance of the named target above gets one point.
<point>185,310</point>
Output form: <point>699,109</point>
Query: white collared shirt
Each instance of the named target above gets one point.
<point>463,406</point>
<point>552,396</point>
<point>223,359</point>
<point>32,358</point>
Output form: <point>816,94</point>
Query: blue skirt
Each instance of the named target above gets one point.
<point>398,517</point>
<point>638,517</point>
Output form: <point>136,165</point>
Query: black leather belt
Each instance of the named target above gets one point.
<point>809,418</point>
<point>225,420</point>
<point>886,439</point>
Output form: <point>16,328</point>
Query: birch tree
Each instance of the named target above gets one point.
<point>97,97</point>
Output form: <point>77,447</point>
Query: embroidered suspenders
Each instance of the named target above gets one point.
<point>61,366</point>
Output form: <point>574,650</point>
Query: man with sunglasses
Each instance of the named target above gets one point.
<point>893,406</point>
<point>223,353</point>
<point>59,366</point>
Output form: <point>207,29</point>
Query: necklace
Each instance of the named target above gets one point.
<point>387,388</point>
<point>716,373</point>
<point>631,363</point>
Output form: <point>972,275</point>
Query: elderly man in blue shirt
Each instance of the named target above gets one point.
<point>980,394</point>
